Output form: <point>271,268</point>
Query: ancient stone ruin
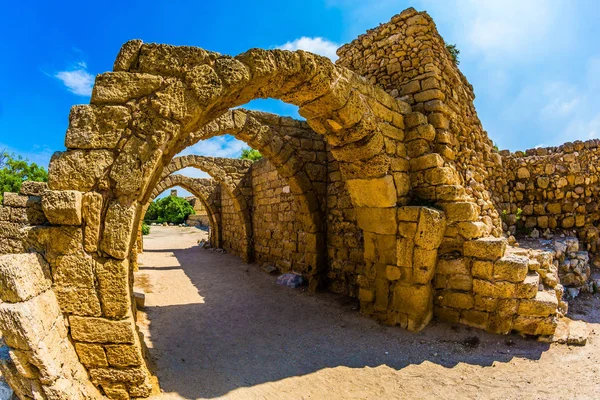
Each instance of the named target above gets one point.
<point>390,192</point>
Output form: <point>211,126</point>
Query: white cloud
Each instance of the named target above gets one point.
<point>77,79</point>
<point>193,173</point>
<point>219,146</point>
<point>317,45</point>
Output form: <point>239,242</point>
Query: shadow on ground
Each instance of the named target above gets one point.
<point>249,331</point>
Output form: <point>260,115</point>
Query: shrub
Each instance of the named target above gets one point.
<point>454,52</point>
<point>170,209</point>
<point>145,229</point>
<point>250,154</point>
<point>14,170</point>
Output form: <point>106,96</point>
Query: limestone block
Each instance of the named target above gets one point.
<point>439,121</point>
<point>447,314</point>
<point>24,324</point>
<point>62,207</point>
<point>78,301</point>
<point>118,229</point>
<point>118,87</point>
<point>78,169</point>
<point>366,295</point>
<point>425,132</point>
<point>490,248</point>
<point>392,272</point>
<point>483,269</point>
<point>116,391</point>
<point>511,268</point>
<point>543,305</point>
<point>432,160</point>
<point>5,213</point>
<point>474,318</point>
<point>128,55</point>
<point>535,325</point>
<point>452,266</point>
<point>113,282</point>
<point>494,289</point>
<point>429,94</point>
<point>23,276</point>
<point>113,375</point>
<point>15,200</point>
<point>441,176</point>
<point>523,173</point>
<point>404,252</point>
<point>377,220</point>
<point>431,226</point>
<point>414,300</point>
<point>100,330</point>
<point>499,324</point>
<point>123,355</point>
<point>94,127</point>
<point>91,213</point>
<point>460,282</point>
<point>377,192</point>
<point>31,188</point>
<point>472,230</point>
<point>488,304</point>
<point>460,300</point>
<point>460,211</point>
<point>529,287</point>
<point>91,355</point>
<point>415,119</point>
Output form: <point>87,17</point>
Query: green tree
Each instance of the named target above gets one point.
<point>14,170</point>
<point>454,52</point>
<point>251,154</point>
<point>170,209</point>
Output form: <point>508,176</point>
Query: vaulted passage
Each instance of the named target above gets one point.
<point>388,193</point>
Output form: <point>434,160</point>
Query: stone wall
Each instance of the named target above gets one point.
<point>279,237</point>
<point>555,188</point>
<point>233,236</point>
<point>19,211</point>
<point>407,57</point>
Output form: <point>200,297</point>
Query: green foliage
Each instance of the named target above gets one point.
<point>170,209</point>
<point>14,170</point>
<point>504,215</point>
<point>519,214</point>
<point>145,229</point>
<point>454,52</point>
<point>496,147</point>
<point>251,154</point>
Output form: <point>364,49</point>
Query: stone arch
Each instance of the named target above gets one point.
<point>206,190</point>
<point>298,163</point>
<point>232,175</point>
<point>142,114</point>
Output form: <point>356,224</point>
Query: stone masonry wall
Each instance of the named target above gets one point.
<point>232,234</point>
<point>278,235</point>
<point>407,57</point>
<point>555,188</point>
<point>19,211</point>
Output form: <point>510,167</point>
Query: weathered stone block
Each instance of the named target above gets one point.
<point>23,276</point>
<point>113,282</point>
<point>377,220</point>
<point>432,160</point>
<point>118,229</point>
<point>91,213</point>
<point>118,87</point>
<point>483,269</point>
<point>416,300</point>
<point>32,188</point>
<point>377,192</point>
<point>430,228</point>
<point>461,211</point>
<point>78,169</point>
<point>489,248</point>
<point>62,207</point>
<point>23,324</point>
<point>91,355</point>
<point>474,318</point>
<point>452,266</point>
<point>123,355</point>
<point>404,251</point>
<point>94,127</point>
<point>535,325</point>
<point>494,289</point>
<point>460,300</point>
<point>78,301</point>
<point>15,200</point>
<point>100,330</point>
<point>529,287</point>
<point>511,268</point>
<point>366,295</point>
<point>543,305</point>
<point>113,375</point>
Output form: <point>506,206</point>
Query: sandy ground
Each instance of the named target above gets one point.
<point>218,328</point>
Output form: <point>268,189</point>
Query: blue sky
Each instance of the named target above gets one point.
<point>534,64</point>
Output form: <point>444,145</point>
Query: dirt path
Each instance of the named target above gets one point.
<point>218,328</point>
